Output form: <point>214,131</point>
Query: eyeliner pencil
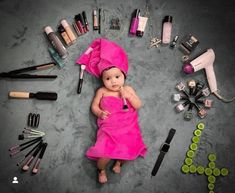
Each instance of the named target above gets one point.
<point>99,21</point>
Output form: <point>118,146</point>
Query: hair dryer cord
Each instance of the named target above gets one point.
<point>222,98</point>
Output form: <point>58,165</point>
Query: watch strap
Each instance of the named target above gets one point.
<point>170,136</point>
<point>158,163</point>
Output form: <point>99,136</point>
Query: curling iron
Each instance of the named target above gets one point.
<point>206,61</point>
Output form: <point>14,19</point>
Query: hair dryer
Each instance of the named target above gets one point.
<point>205,61</point>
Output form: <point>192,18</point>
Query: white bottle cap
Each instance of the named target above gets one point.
<point>64,23</point>
<point>48,29</point>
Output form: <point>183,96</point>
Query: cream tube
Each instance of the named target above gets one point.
<point>141,26</point>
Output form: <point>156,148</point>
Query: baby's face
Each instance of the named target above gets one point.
<point>113,79</point>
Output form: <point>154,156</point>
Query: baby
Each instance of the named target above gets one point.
<point>115,104</point>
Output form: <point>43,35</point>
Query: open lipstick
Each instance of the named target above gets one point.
<point>36,166</point>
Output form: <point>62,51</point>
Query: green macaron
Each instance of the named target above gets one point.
<point>216,171</point>
<point>224,171</point>
<point>208,171</point>
<point>211,179</point>
<point>200,170</point>
<point>190,153</point>
<point>201,126</point>
<point>188,161</point>
<point>197,132</point>
<point>193,146</point>
<point>212,157</point>
<point>195,139</point>
<point>211,165</point>
<point>185,169</point>
<point>192,169</point>
<point>211,186</point>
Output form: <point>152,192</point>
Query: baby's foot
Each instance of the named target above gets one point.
<point>117,167</point>
<point>102,176</point>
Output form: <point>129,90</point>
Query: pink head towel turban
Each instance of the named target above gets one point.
<point>102,54</point>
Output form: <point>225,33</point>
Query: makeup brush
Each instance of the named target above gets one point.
<point>34,131</point>
<point>16,150</point>
<point>83,67</point>
<point>31,158</point>
<point>22,136</point>
<point>125,107</point>
<point>20,145</point>
<point>40,142</point>
<point>36,166</point>
<point>38,95</point>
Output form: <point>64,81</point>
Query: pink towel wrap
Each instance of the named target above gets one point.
<point>119,135</point>
<point>102,54</point>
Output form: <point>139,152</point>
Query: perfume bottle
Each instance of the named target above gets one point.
<point>166,29</point>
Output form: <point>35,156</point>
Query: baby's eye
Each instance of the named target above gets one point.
<point>107,78</point>
<point>117,76</point>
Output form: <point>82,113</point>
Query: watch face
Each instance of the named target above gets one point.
<point>165,147</point>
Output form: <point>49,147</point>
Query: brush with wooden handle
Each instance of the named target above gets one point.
<point>39,95</point>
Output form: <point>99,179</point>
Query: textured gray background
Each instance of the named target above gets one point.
<point>69,125</point>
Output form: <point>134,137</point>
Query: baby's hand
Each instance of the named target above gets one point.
<point>125,93</point>
<point>104,114</point>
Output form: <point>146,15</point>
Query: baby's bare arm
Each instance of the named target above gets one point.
<point>129,93</point>
<point>95,106</point>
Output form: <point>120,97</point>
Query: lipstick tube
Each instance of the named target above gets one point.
<point>134,22</point>
<point>78,23</point>
<point>81,19</point>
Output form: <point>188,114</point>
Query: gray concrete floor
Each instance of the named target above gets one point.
<point>69,125</point>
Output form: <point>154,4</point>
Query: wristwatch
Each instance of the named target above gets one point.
<point>163,150</point>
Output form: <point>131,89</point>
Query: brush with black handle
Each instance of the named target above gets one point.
<point>36,166</point>
<point>83,67</point>
<point>31,158</point>
<point>39,95</point>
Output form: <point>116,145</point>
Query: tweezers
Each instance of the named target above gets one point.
<point>16,73</point>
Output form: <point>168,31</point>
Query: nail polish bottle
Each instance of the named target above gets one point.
<point>134,22</point>
<point>166,29</point>
<point>68,30</point>
<point>64,35</point>
<point>55,41</point>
